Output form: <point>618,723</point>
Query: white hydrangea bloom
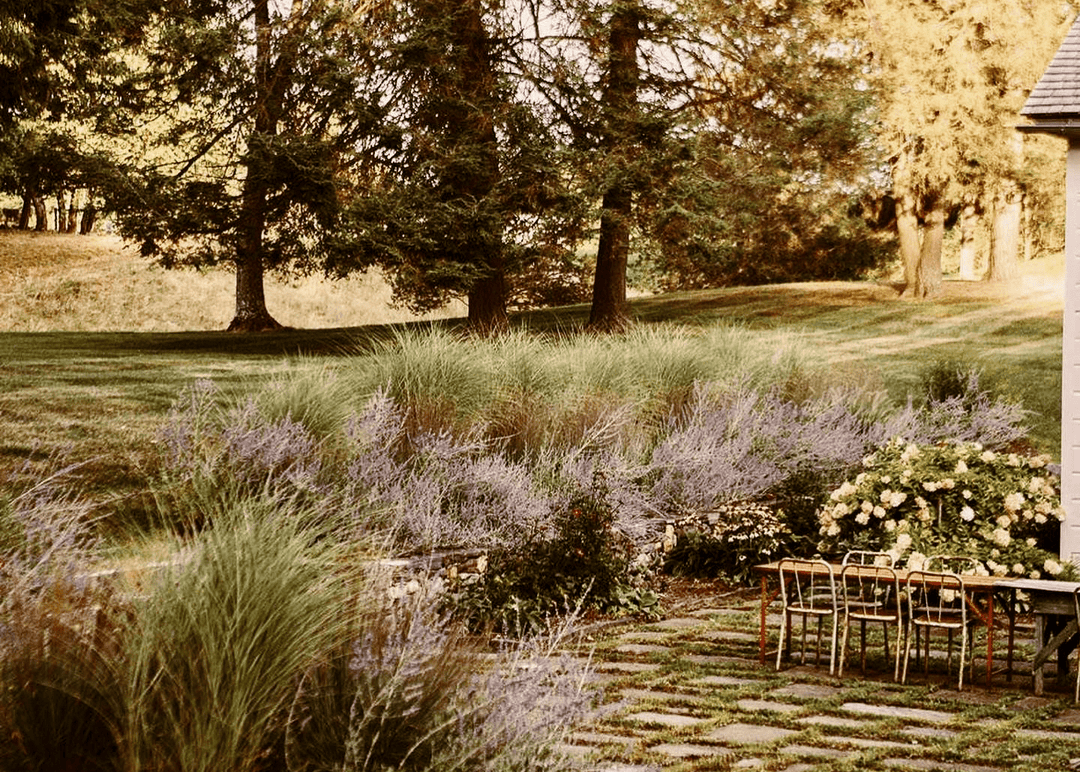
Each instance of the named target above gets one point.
<point>1014,501</point>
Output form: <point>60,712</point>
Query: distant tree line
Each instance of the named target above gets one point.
<point>528,152</point>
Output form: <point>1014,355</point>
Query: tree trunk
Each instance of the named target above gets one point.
<point>41,214</point>
<point>72,223</point>
<point>252,314</point>
<point>89,215</point>
<point>487,296</point>
<point>928,276</point>
<point>609,308</point>
<point>1005,234</point>
<point>969,219</point>
<point>487,304</point>
<point>24,213</point>
<point>907,231</point>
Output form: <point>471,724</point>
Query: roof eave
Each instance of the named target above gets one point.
<point>1060,125</point>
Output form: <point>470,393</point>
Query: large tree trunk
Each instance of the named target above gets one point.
<point>41,214</point>
<point>89,214</point>
<point>907,231</point>
<point>24,213</point>
<point>252,314</point>
<point>1005,234</point>
<point>609,308</point>
<point>487,296</point>
<point>928,275</point>
<point>969,219</point>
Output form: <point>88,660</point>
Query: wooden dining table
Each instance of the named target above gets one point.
<point>979,592</point>
<point>1055,621</point>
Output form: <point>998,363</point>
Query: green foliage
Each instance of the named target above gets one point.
<point>743,535</point>
<point>955,498</point>
<point>953,379</point>
<point>584,562</point>
<point>218,640</point>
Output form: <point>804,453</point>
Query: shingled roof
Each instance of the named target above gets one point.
<point>1055,100</point>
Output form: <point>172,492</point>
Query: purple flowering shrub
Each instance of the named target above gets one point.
<point>410,692</point>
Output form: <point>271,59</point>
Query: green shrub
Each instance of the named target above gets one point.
<point>744,534</point>
<point>585,562</point>
<point>955,498</point>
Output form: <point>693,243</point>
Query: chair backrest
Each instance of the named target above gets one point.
<point>936,597</point>
<point>953,564</point>
<point>808,583</point>
<point>868,588</point>
<point>867,558</point>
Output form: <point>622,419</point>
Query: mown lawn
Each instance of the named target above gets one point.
<point>97,397</point>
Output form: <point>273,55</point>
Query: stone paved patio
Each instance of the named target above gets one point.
<point>688,693</point>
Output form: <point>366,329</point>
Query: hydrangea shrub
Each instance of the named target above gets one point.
<point>953,498</point>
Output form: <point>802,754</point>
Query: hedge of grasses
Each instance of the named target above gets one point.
<point>268,640</point>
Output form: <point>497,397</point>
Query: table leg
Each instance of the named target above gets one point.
<point>989,638</point>
<point>764,613</point>
<point>1010,612</point>
<point>1037,672</point>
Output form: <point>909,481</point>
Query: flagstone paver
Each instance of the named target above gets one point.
<point>894,711</point>
<point>833,721</point>
<point>808,691</point>
<point>798,719</point>
<point>749,734</point>
<point>678,720</point>
<point>813,750</point>
<point>641,648</point>
<point>688,750</point>
<point>952,766</point>
<point>629,667</point>
<point>679,623</point>
<point>723,680</point>
<point>754,706</point>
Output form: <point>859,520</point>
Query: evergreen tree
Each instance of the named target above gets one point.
<point>244,151</point>
<point>709,133</point>
<point>465,191</point>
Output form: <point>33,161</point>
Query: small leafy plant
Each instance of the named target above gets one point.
<point>954,498</point>
<point>744,534</point>
<point>585,562</point>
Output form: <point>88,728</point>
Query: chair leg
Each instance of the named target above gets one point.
<point>963,649</point>
<point>901,637</point>
<point>785,637</point>
<point>907,650</point>
<point>843,647</point>
<point>832,648</point>
<point>862,646</point>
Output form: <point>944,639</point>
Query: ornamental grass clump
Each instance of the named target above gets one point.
<point>953,498</point>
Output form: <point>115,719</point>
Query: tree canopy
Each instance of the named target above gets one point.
<point>506,150</point>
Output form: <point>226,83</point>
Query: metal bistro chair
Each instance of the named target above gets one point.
<point>871,593</point>
<point>937,601</point>
<point>807,589</point>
